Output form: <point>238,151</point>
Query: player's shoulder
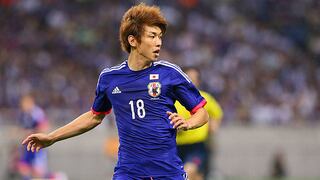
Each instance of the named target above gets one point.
<point>172,68</point>
<point>167,64</point>
<point>113,69</point>
<point>37,113</point>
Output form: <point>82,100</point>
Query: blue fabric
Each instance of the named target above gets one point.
<point>127,177</point>
<point>140,100</point>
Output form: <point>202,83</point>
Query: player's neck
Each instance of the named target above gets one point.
<point>136,62</point>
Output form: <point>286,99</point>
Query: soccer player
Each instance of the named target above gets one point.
<point>32,119</point>
<point>194,145</point>
<point>141,91</point>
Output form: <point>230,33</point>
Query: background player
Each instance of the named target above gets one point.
<point>194,146</point>
<point>32,119</point>
<point>141,91</point>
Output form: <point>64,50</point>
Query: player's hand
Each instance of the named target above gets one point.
<point>35,142</point>
<point>178,122</point>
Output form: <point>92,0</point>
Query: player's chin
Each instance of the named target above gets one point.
<point>155,58</point>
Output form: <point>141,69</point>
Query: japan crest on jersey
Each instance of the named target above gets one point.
<point>154,89</point>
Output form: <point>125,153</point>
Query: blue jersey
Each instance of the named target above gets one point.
<point>33,119</point>
<point>140,100</point>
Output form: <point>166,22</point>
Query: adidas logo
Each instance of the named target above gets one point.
<point>116,90</point>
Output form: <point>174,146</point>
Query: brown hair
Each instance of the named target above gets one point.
<point>135,18</point>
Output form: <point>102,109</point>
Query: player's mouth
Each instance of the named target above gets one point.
<point>157,52</point>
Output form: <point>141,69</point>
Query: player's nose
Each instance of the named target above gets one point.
<point>158,42</point>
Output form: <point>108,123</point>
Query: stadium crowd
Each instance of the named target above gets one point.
<point>260,59</point>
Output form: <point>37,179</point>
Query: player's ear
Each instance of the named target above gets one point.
<point>132,41</point>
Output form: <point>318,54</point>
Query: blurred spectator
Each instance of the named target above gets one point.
<point>261,56</point>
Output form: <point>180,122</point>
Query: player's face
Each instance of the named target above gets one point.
<point>26,103</point>
<point>151,43</point>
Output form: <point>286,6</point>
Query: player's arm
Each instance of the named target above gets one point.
<point>198,119</point>
<point>81,124</point>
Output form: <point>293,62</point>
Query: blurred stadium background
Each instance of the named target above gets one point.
<point>259,58</point>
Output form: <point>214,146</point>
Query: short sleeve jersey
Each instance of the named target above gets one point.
<point>140,100</point>
<point>35,118</point>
